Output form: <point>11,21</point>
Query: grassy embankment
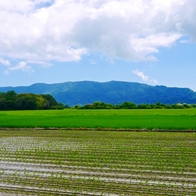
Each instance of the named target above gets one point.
<point>171,119</point>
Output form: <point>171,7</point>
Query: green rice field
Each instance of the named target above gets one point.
<point>169,119</point>
<point>112,163</point>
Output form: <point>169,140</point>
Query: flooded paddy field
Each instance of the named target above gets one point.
<point>75,162</point>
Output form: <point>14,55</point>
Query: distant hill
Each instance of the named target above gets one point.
<point>114,92</point>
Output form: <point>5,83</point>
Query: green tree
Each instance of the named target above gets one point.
<point>128,105</point>
<point>3,103</point>
<point>25,102</point>
<point>10,100</point>
<point>49,99</point>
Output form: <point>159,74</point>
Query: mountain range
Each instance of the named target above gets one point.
<point>113,92</point>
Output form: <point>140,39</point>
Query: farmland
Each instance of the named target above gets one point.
<point>63,162</point>
<point>98,152</point>
<point>169,119</point>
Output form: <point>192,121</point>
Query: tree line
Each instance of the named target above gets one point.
<point>27,101</point>
<point>131,105</point>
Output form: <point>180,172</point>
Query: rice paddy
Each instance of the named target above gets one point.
<point>71,162</point>
<point>168,119</point>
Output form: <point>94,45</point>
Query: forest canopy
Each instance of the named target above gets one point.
<point>27,101</point>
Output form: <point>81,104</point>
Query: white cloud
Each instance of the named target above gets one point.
<point>140,74</point>
<point>4,62</point>
<point>23,6</point>
<point>184,41</point>
<point>42,63</point>
<point>20,66</point>
<point>144,77</point>
<point>92,62</point>
<point>154,81</point>
<point>67,30</point>
<point>150,44</point>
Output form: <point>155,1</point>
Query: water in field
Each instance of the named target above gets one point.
<point>97,163</point>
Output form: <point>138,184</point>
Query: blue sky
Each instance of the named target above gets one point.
<point>52,41</point>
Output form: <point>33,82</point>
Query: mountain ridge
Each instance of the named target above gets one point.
<point>114,92</point>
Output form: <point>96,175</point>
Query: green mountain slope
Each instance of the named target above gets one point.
<point>113,92</point>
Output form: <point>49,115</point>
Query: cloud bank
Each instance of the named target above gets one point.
<point>62,31</point>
